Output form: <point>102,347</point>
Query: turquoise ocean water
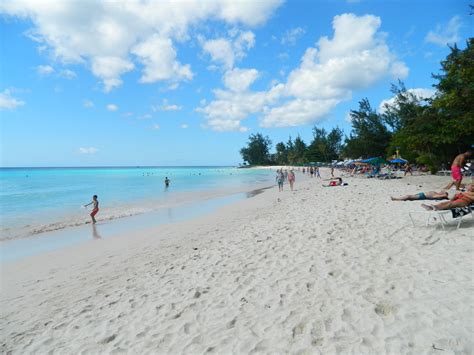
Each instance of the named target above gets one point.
<point>37,200</point>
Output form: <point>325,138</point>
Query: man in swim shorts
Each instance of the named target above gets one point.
<point>95,207</point>
<point>456,173</point>
<point>461,199</point>
<point>430,195</point>
<point>280,178</point>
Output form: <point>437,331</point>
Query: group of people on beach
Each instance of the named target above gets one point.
<point>312,171</point>
<point>460,199</point>
<point>285,176</point>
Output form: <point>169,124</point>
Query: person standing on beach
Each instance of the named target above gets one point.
<point>291,179</point>
<point>316,172</point>
<point>279,179</point>
<point>456,173</point>
<point>95,207</point>
<point>167,182</point>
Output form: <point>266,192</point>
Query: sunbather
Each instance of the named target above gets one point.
<point>461,199</point>
<point>430,195</point>
<point>336,182</point>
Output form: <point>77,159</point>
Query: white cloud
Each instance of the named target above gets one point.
<point>159,58</point>
<point>356,57</point>
<point>67,74</point>
<point>226,51</point>
<point>220,51</point>
<point>243,42</point>
<point>146,116</point>
<point>89,150</point>
<point>420,93</point>
<point>240,79</point>
<point>8,102</point>
<point>88,104</point>
<point>155,126</point>
<point>297,112</point>
<point>44,70</point>
<point>171,108</point>
<point>119,33</point>
<point>445,34</point>
<point>109,69</point>
<point>184,126</point>
<point>112,107</point>
<point>166,106</point>
<point>229,108</point>
<point>291,36</point>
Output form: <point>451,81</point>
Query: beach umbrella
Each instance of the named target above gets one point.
<point>398,161</point>
<point>374,161</point>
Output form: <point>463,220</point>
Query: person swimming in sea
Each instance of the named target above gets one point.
<point>95,207</point>
<point>167,182</point>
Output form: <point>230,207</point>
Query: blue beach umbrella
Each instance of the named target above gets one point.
<point>374,161</point>
<point>398,161</point>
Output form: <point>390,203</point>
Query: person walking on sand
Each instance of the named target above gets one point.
<point>291,179</point>
<point>456,173</point>
<point>95,207</point>
<point>316,172</point>
<point>279,179</point>
<point>408,170</point>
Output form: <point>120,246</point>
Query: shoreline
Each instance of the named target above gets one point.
<point>321,270</point>
<point>39,223</point>
<point>67,236</point>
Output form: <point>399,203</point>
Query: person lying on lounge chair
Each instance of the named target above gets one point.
<point>430,195</point>
<point>461,199</point>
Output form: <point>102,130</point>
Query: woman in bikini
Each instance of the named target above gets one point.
<point>461,199</point>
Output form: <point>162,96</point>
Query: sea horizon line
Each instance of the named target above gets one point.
<point>118,166</point>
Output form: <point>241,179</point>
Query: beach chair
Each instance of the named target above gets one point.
<point>457,213</point>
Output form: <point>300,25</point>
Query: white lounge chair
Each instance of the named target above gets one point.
<point>442,216</point>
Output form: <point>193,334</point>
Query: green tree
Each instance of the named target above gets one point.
<point>297,154</point>
<point>325,147</point>
<point>257,151</point>
<point>369,136</point>
<point>433,133</point>
<point>334,143</point>
<point>281,155</point>
<point>317,149</point>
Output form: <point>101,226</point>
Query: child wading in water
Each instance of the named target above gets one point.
<point>95,207</point>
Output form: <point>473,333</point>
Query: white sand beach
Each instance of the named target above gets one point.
<point>314,271</point>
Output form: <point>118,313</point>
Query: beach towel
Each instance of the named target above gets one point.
<point>462,211</point>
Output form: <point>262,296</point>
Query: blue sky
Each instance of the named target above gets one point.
<point>86,83</point>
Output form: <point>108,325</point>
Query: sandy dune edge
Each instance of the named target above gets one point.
<point>319,270</point>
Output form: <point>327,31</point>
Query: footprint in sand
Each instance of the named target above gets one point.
<point>384,309</point>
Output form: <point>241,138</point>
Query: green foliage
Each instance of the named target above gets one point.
<point>297,151</point>
<point>257,151</point>
<point>435,132</point>
<point>325,147</point>
<point>430,131</point>
<point>281,156</point>
<point>370,136</point>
